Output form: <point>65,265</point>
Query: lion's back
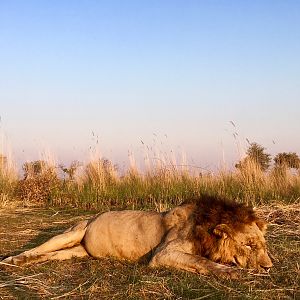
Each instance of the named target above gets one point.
<point>124,234</point>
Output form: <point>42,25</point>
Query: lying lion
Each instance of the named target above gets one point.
<point>201,236</point>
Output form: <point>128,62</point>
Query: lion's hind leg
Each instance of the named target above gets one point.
<point>65,245</point>
<point>21,259</point>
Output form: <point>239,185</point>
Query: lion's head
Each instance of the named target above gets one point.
<point>245,247</point>
<point>230,233</point>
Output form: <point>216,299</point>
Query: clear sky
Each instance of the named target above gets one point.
<point>171,73</point>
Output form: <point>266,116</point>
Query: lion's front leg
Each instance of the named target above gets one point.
<point>171,257</point>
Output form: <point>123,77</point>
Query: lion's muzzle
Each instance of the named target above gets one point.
<point>265,262</point>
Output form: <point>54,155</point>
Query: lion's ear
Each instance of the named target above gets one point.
<point>222,230</point>
<point>262,225</point>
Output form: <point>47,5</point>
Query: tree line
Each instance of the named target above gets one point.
<point>257,154</point>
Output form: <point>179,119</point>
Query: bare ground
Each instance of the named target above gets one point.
<point>88,278</point>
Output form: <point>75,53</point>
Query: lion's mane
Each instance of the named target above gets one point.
<point>211,211</point>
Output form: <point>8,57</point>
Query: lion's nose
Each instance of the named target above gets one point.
<point>265,262</point>
<point>266,269</point>
<point>267,265</point>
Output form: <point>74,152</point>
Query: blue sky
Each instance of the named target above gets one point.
<point>171,73</point>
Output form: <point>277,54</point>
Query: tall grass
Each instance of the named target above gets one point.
<point>99,184</point>
<point>8,180</point>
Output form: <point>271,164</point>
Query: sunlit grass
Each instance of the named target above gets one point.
<point>8,180</point>
<point>100,184</point>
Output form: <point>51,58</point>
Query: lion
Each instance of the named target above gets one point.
<point>208,235</point>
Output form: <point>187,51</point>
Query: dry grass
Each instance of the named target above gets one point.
<point>100,185</point>
<point>164,183</point>
<point>111,279</point>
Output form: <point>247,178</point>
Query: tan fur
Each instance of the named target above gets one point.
<point>179,238</point>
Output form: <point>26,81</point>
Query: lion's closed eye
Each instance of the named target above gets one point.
<point>251,246</point>
<point>248,245</point>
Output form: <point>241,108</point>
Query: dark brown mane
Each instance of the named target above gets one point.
<point>211,211</point>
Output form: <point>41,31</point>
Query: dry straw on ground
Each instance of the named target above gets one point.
<point>110,279</point>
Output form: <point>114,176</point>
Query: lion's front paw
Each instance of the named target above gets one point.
<point>227,272</point>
